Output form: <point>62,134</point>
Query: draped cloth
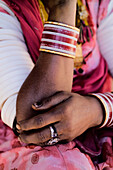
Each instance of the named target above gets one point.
<point>94,145</point>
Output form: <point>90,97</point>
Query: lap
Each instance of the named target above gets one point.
<point>15,155</point>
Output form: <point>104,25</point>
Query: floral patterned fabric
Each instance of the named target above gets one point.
<point>14,155</point>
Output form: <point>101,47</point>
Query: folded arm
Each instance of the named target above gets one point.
<point>51,73</point>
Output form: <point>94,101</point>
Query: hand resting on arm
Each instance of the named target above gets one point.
<point>51,73</point>
<point>68,111</point>
<point>71,114</point>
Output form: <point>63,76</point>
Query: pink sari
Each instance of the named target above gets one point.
<point>93,149</point>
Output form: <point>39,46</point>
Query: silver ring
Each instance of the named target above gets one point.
<point>53,141</point>
<point>53,132</point>
<point>54,136</point>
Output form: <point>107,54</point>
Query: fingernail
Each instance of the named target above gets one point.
<point>18,127</point>
<point>37,105</point>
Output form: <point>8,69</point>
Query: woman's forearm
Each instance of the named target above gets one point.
<point>52,72</point>
<point>58,68</point>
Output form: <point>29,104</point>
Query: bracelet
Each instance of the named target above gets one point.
<point>106,100</point>
<point>60,39</point>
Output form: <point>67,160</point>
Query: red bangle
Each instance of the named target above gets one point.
<point>107,101</point>
<point>58,38</point>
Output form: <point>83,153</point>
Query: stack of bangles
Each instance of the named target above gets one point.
<point>106,100</point>
<point>61,39</point>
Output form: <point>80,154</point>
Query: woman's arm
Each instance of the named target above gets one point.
<point>71,116</point>
<point>19,61</point>
<point>52,72</point>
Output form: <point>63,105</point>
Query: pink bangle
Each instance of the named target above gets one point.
<point>107,101</point>
<point>58,38</point>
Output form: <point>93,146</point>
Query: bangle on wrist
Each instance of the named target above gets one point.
<point>106,100</point>
<point>60,39</point>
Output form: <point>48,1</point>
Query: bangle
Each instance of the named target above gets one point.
<point>106,100</point>
<point>60,39</point>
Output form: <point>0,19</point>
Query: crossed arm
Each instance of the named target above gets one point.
<point>66,110</point>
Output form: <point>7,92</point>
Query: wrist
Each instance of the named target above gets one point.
<point>106,101</point>
<point>96,111</point>
<point>64,13</point>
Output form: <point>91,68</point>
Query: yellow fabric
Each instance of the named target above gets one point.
<point>83,14</point>
<point>43,13</point>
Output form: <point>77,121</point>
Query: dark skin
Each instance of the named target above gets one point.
<point>47,77</point>
<point>67,111</point>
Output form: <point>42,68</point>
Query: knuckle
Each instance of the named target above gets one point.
<point>61,112</point>
<point>62,92</point>
<point>48,100</point>
<point>41,137</point>
<point>23,138</point>
<point>39,121</point>
<point>66,111</point>
<point>24,126</point>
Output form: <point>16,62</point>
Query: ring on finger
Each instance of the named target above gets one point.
<point>54,136</point>
<point>53,132</point>
<point>53,141</point>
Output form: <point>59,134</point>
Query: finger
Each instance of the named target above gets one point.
<point>41,136</point>
<point>56,114</point>
<point>51,101</point>
<point>37,137</point>
<point>40,120</point>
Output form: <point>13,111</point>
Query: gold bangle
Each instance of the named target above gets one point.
<point>64,25</point>
<point>58,53</point>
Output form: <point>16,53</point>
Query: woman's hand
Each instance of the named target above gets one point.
<point>70,113</point>
<point>61,10</point>
<point>51,5</point>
